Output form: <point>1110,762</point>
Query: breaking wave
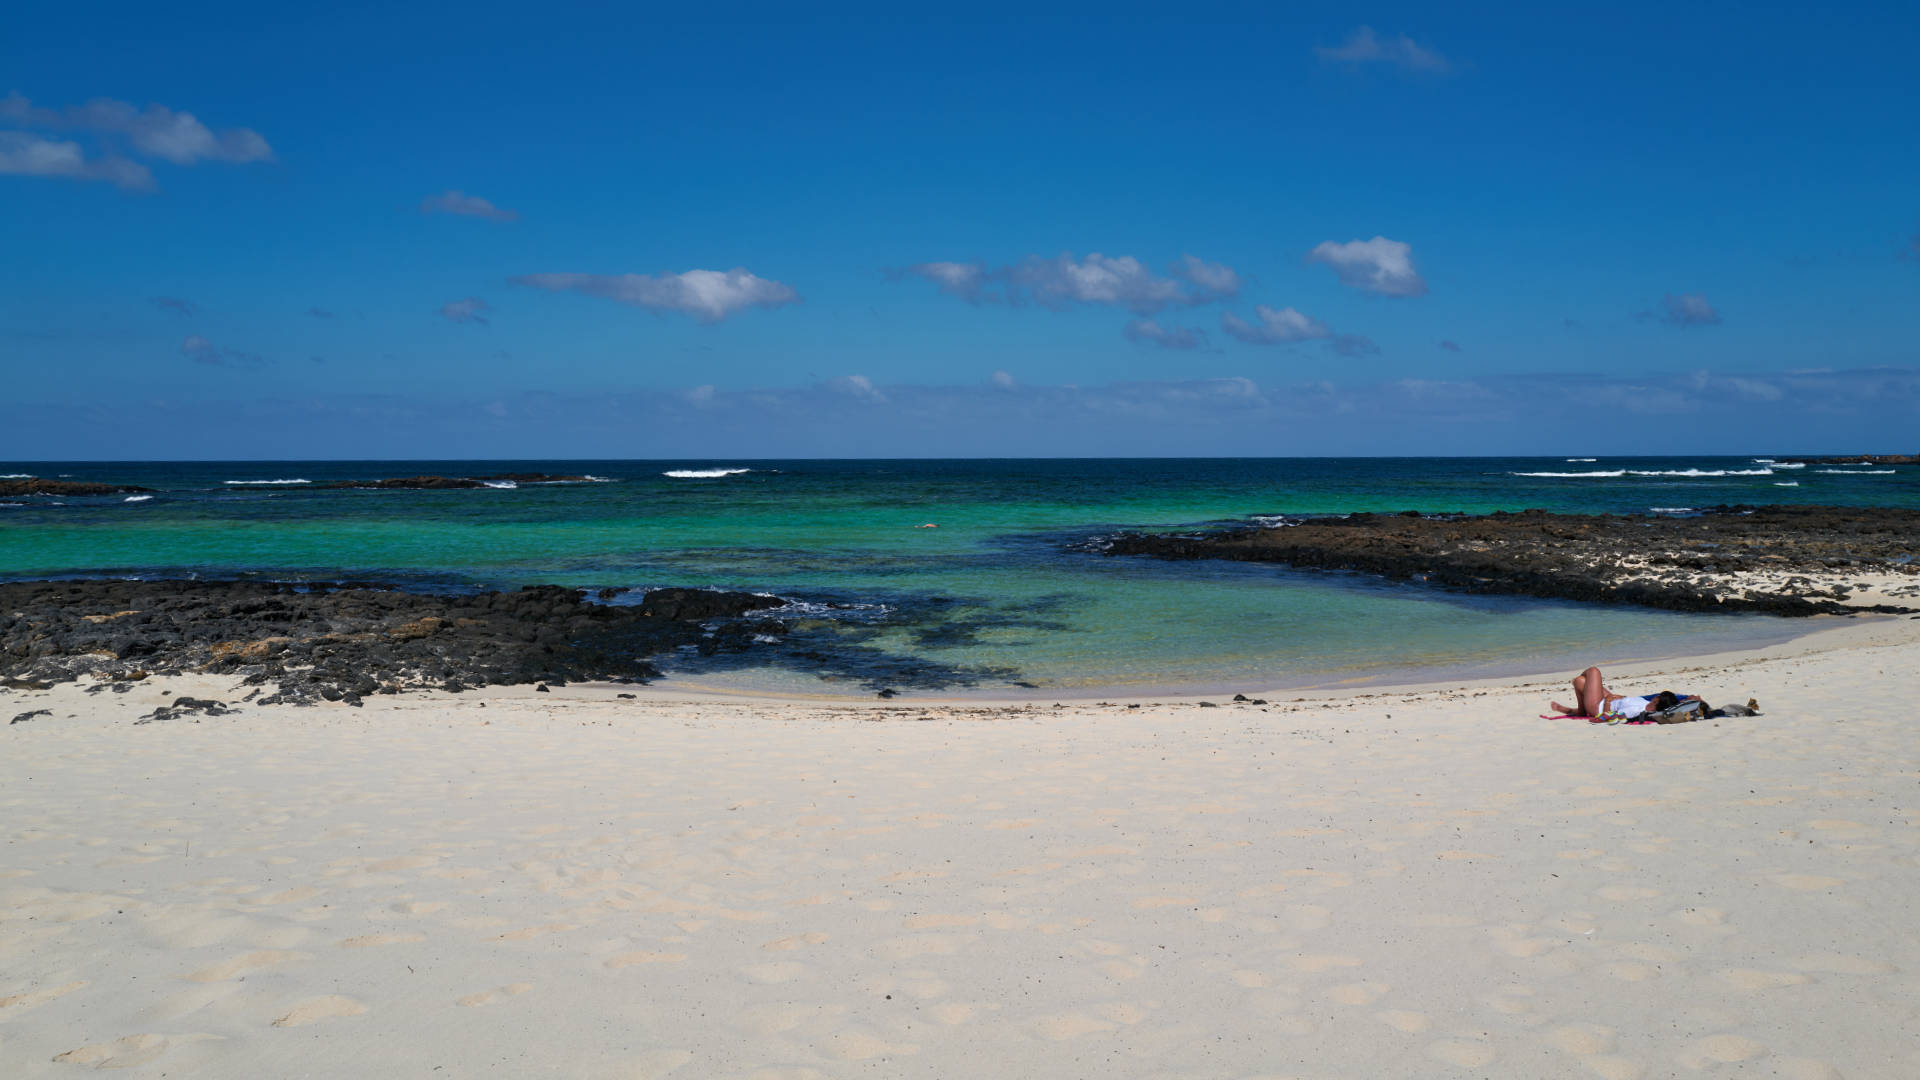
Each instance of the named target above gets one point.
<point>245,483</point>
<point>1858,472</point>
<point>137,498</point>
<point>702,474</point>
<point>1688,473</point>
<point>500,484</point>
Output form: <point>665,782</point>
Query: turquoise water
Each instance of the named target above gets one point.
<point>1007,594</point>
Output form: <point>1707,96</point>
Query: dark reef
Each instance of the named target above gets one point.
<point>338,643</point>
<point>1780,560</point>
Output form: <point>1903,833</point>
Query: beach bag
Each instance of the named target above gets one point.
<point>1690,709</point>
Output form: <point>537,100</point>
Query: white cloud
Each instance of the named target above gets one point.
<point>857,386</point>
<point>155,131</point>
<point>966,280</point>
<point>459,202</point>
<point>1216,281</point>
<point>1378,265</point>
<point>470,310</point>
<point>1147,331</point>
<point>1003,381</point>
<point>1688,309</point>
<point>701,395</point>
<point>1277,326</point>
<point>1065,280</point>
<point>1363,46</point>
<point>22,154</point>
<point>707,295</point>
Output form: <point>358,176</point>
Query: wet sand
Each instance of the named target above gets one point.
<point>1424,881</point>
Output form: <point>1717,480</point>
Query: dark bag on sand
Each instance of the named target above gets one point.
<point>1680,713</point>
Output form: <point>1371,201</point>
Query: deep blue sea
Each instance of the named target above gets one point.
<point>1006,594</point>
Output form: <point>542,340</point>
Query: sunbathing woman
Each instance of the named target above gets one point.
<point>1592,698</point>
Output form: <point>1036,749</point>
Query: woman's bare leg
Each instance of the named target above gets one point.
<point>1588,693</point>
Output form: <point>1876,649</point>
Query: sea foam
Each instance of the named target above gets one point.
<point>138,498</point>
<point>702,474</point>
<point>243,483</point>
<point>1858,472</point>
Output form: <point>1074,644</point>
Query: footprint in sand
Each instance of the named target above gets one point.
<point>1360,993</point>
<point>788,944</point>
<point>240,965</point>
<point>1752,980</point>
<point>1806,882</point>
<point>1721,1050</point>
<point>783,972</point>
<point>29,999</point>
<point>1412,1023</point>
<point>126,1052</point>
<point>629,959</point>
<point>1582,1040</point>
<point>488,997</point>
<point>314,1010</point>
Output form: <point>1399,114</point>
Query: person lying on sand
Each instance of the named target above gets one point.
<point>1593,699</point>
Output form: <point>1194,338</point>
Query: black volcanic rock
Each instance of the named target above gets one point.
<point>37,486</point>
<point>344,643</point>
<point>1678,563</point>
<point>703,603</point>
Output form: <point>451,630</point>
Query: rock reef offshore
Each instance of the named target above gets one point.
<point>341,643</point>
<point>1779,560</point>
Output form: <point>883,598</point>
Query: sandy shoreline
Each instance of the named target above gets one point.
<point>1412,881</point>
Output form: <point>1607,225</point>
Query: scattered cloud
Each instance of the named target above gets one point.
<point>1066,280</point>
<point>121,131</point>
<point>1003,381</point>
<point>459,202</point>
<point>1451,347</point>
<point>1363,46</point>
<point>22,154</point>
<point>966,280</point>
<point>1275,326</point>
<point>1214,281</point>
<point>1378,265</point>
<point>1353,345</point>
<point>320,313</point>
<point>1688,309</point>
<point>201,351</point>
<point>701,395</point>
<point>470,310</point>
<point>857,386</point>
<point>707,295</point>
<point>173,304</point>
<point>1147,331</point>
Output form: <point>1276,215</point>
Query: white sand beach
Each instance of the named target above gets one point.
<point>1413,882</point>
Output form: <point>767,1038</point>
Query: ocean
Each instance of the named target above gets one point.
<point>1007,594</point>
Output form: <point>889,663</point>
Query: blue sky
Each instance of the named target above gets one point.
<point>501,231</point>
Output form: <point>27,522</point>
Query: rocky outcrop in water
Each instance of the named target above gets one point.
<point>33,485</point>
<point>335,643</point>
<point>1781,560</point>
<point>1857,459</point>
